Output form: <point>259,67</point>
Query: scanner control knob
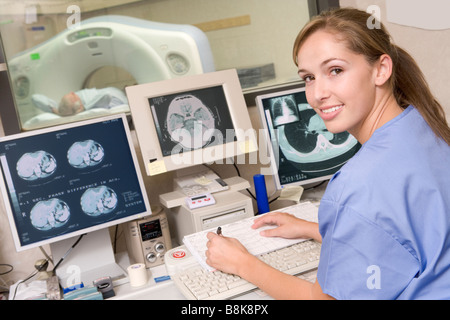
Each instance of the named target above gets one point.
<point>151,257</point>
<point>159,247</point>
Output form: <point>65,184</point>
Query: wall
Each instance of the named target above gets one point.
<point>431,49</point>
<point>266,39</point>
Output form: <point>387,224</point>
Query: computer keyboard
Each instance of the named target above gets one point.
<point>292,256</point>
<point>197,283</point>
<point>250,238</point>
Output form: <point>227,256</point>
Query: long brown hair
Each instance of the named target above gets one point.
<point>407,81</point>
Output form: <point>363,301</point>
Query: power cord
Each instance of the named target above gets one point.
<point>67,253</point>
<point>4,287</point>
<point>44,264</point>
<point>39,268</point>
<point>7,265</point>
<point>239,174</point>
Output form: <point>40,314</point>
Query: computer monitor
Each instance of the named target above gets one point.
<point>65,181</point>
<point>192,120</point>
<point>301,149</point>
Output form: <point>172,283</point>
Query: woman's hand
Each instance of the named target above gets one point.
<point>230,256</point>
<point>226,254</point>
<point>287,226</point>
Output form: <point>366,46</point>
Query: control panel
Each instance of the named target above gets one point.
<point>148,239</point>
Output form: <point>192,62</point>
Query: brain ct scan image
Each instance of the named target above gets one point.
<point>36,165</point>
<point>190,122</point>
<point>98,201</point>
<point>50,214</point>
<point>85,154</point>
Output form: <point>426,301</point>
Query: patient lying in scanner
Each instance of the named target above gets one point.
<point>82,100</point>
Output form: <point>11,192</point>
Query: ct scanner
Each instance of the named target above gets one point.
<point>149,51</point>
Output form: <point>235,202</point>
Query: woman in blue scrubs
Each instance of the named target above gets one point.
<point>384,220</point>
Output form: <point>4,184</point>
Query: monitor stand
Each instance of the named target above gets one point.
<point>92,259</point>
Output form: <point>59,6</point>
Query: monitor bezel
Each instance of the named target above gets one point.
<point>154,160</point>
<point>274,168</point>
<point>5,193</point>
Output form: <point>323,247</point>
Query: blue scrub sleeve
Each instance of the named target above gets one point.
<point>359,260</point>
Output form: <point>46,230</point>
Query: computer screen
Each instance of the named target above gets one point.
<point>301,149</point>
<point>190,121</point>
<point>65,181</point>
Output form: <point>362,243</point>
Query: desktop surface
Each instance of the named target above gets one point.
<point>164,290</point>
<point>169,288</point>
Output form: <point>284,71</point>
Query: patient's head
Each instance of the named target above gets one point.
<point>70,104</point>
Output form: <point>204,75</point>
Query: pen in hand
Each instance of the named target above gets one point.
<point>219,231</point>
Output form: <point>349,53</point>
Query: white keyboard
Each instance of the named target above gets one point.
<point>201,282</point>
<point>250,238</point>
<point>196,283</point>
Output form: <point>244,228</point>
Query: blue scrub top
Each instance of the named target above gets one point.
<point>385,217</point>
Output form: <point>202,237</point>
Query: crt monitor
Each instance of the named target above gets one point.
<point>65,181</point>
<point>301,149</point>
<point>192,120</point>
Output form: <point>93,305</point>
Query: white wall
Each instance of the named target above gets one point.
<point>431,49</point>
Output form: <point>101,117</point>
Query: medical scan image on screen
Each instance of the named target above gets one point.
<point>192,120</point>
<point>84,154</point>
<point>70,179</point>
<point>36,165</point>
<point>304,148</point>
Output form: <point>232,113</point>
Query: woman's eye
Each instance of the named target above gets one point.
<point>336,71</point>
<point>308,79</point>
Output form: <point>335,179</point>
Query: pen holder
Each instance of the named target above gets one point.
<point>261,194</point>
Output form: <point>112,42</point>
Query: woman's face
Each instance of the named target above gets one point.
<point>340,84</point>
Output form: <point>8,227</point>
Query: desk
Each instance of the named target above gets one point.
<point>167,290</point>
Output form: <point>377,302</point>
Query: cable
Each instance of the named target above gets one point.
<point>67,253</point>
<point>273,200</point>
<point>115,238</point>
<point>22,281</point>
<point>4,286</point>
<point>8,266</point>
<point>239,174</point>
<point>42,266</point>
<point>210,168</point>
<point>237,169</point>
<point>316,186</point>
<point>46,255</point>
